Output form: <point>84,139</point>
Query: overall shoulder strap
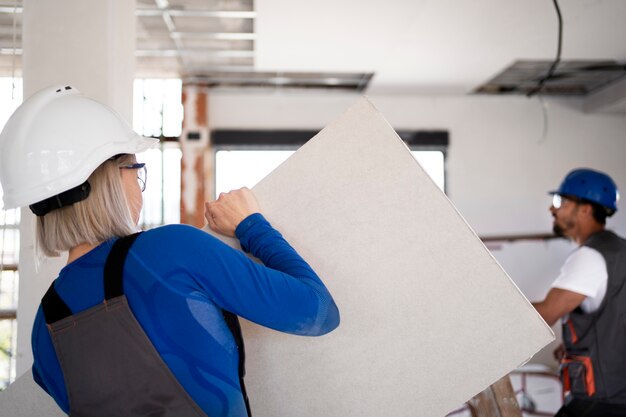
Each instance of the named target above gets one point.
<point>233,325</point>
<point>114,266</point>
<point>55,309</point>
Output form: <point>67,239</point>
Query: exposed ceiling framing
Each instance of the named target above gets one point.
<point>415,48</point>
<point>208,42</point>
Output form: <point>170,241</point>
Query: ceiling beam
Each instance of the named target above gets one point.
<point>10,9</point>
<point>172,11</point>
<point>195,52</point>
<point>8,50</point>
<point>177,12</point>
<point>214,35</point>
<point>163,5</point>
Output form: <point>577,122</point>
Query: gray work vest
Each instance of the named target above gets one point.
<point>109,365</point>
<point>595,363</point>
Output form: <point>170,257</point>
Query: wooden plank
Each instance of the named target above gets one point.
<point>496,401</point>
<point>484,405</point>
<point>505,398</point>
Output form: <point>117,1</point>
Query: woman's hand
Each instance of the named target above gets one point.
<point>225,213</point>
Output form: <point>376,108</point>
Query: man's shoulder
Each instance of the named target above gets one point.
<point>606,242</point>
<point>585,255</point>
<point>581,263</point>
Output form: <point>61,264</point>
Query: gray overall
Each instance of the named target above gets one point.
<point>109,365</point>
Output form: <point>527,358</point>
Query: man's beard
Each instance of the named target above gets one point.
<point>558,230</point>
<point>562,230</point>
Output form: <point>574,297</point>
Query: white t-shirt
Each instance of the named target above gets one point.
<point>584,272</point>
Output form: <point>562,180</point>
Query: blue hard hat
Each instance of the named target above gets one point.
<point>590,185</point>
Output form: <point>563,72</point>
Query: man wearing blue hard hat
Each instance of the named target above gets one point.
<point>589,296</point>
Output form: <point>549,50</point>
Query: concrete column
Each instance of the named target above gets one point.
<point>196,170</point>
<point>89,44</point>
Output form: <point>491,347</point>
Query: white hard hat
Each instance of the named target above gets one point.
<point>55,140</point>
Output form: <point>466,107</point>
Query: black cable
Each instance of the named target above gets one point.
<point>539,85</point>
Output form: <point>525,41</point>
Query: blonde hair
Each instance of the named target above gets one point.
<point>101,216</point>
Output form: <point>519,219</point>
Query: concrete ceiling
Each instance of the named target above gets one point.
<point>432,46</point>
<point>425,47</point>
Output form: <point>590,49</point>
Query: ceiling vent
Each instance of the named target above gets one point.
<point>570,78</point>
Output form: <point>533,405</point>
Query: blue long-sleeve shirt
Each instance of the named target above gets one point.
<point>177,279</point>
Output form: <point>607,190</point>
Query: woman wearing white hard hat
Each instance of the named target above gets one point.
<point>142,324</point>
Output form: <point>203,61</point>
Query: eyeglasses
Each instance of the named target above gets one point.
<point>557,200</point>
<point>142,173</point>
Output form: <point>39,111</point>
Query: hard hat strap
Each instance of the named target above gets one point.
<point>66,198</point>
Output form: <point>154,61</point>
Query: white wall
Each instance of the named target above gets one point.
<point>499,168</point>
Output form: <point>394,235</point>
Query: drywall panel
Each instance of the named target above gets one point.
<point>24,398</point>
<point>428,317</point>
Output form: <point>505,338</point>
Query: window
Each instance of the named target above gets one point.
<point>244,168</point>
<point>8,307</point>
<point>243,158</point>
<point>429,148</point>
<point>433,163</point>
<point>158,112</point>
<point>157,107</point>
<point>163,165</point>
<point>10,98</point>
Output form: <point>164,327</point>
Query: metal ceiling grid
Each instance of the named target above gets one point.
<point>208,42</point>
<point>202,36</point>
